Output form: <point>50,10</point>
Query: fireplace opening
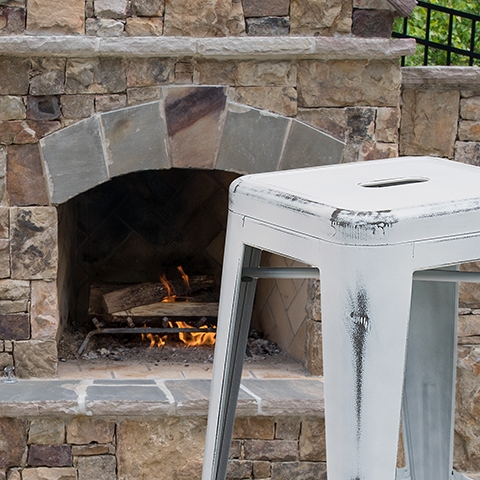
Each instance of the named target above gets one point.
<point>140,268</point>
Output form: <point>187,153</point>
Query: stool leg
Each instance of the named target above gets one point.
<point>236,303</point>
<point>365,312</point>
<point>429,392</point>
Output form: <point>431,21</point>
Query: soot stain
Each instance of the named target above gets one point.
<point>358,325</point>
<point>356,223</point>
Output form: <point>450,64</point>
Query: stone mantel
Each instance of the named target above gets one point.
<point>221,48</point>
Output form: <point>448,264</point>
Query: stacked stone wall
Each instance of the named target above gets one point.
<point>84,448</point>
<point>197,18</point>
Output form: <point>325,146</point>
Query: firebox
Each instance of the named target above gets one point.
<point>146,254</point>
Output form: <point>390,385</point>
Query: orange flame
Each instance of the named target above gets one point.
<point>184,276</point>
<point>156,340</point>
<point>170,297</point>
<point>193,339</point>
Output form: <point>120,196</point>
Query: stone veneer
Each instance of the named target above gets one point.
<point>134,429</point>
<point>103,108</point>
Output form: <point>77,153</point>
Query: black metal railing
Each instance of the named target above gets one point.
<point>455,51</point>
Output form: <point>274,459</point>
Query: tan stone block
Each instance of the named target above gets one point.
<point>387,125</point>
<point>329,120</point>
<point>212,72</point>
<point>12,108</point>
<point>85,430</point>
<point>429,122</point>
<point>100,75</point>
<point>180,440</point>
<point>312,444</point>
<point>469,130</point>
<point>255,73</point>
<point>13,434</point>
<point>15,76</point>
<point>147,72</point>
<point>14,290</point>
<point>144,27</point>
<point>272,450</point>
<point>44,313</point>
<point>148,8</point>
<point>35,358</point>
<point>262,469</point>
<point>468,325</point>
<point>25,131</point>
<point>93,449</point>
<point>377,151</point>
<point>107,103</point>
<point>254,427</point>
<point>320,17</point>
<point>48,76</point>
<point>204,18</point>
<point>467,152</point>
<point>467,430</point>
<point>338,83</point>
<point>34,247</point>
<point>14,474</point>
<point>104,27</point>
<point>25,181</point>
<point>77,106</point>
<point>282,100</point>
<point>136,96</point>
<point>5,260</point>
<point>46,473</point>
<point>266,8</point>
<point>110,8</point>
<point>287,428</point>
<point>46,431</point>
<point>49,16</point>
<point>100,466</point>
<point>470,108</point>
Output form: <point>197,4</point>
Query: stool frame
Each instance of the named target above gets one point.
<point>370,307</point>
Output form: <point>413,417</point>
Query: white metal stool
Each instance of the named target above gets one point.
<point>369,229</point>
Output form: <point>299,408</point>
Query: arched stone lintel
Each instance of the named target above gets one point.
<point>190,127</point>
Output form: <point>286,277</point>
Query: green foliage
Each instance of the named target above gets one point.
<point>439,23</point>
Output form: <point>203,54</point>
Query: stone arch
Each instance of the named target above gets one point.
<point>190,127</point>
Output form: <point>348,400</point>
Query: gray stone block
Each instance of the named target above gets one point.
<point>268,26</point>
<point>281,397</point>
<point>252,140</point>
<point>74,159</point>
<point>308,147</point>
<point>135,139</point>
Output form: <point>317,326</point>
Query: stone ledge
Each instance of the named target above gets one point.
<point>154,397</point>
<point>426,77</point>
<point>215,48</point>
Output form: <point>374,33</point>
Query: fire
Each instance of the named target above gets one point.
<point>193,339</point>
<point>184,276</point>
<point>155,340</point>
<point>170,296</point>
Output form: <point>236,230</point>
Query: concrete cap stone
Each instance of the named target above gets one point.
<point>153,397</point>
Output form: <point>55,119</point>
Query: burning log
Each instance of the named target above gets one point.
<point>152,293</point>
<point>177,309</point>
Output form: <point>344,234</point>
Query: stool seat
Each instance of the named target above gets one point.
<point>371,203</point>
<point>387,340</point>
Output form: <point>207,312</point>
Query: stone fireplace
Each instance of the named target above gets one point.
<point>238,115</point>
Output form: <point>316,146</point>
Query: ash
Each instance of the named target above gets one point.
<point>133,349</point>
